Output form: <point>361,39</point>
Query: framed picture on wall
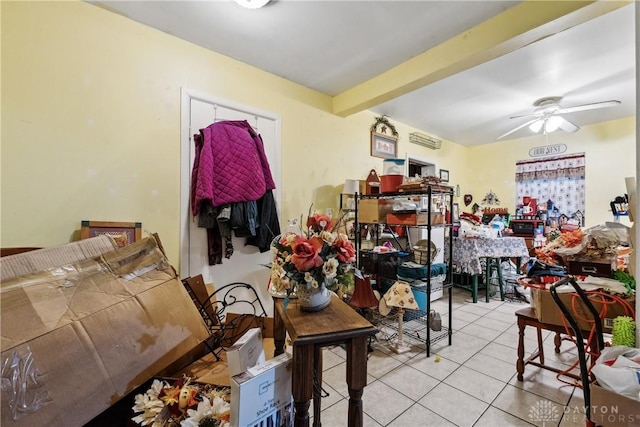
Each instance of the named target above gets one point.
<point>444,175</point>
<point>383,146</point>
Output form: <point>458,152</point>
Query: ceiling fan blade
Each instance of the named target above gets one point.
<point>527,115</point>
<point>567,126</point>
<point>517,128</point>
<point>585,107</point>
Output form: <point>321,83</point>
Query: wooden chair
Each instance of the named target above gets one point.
<point>228,312</point>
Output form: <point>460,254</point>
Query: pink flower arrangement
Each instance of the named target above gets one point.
<point>319,256</point>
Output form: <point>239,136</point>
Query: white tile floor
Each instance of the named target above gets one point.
<point>473,384</point>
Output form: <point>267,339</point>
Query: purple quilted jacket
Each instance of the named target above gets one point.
<point>229,166</point>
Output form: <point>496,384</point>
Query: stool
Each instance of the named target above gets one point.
<point>494,264</point>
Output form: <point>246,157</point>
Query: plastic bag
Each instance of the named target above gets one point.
<point>618,369</point>
<point>605,237</point>
<point>22,386</point>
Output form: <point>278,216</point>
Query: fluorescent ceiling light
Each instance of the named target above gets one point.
<point>252,4</point>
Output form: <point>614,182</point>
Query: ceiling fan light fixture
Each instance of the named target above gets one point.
<point>536,126</point>
<point>252,4</point>
<point>548,115</point>
<point>552,124</point>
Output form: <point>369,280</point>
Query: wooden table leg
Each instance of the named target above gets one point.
<point>540,348</point>
<point>302,383</point>
<point>356,378</point>
<point>520,362</point>
<point>557,340</point>
<point>279,334</point>
<point>317,386</point>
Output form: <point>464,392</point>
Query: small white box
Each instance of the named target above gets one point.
<point>246,353</point>
<point>262,395</point>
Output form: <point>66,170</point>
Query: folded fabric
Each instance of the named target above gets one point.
<point>537,268</point>
<point>414,270</point>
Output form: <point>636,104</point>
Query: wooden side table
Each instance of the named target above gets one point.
<point>309,332</point>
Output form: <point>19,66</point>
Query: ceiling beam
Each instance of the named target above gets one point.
<point>507,32</point>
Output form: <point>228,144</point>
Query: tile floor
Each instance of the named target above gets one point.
<point>473,384</point>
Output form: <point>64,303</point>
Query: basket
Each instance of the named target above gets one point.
<point>420,251</point>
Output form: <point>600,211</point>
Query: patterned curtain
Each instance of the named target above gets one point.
<point>558,179</point>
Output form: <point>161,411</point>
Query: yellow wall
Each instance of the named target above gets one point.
<point>91,130</point>
<point>610,157</point>
<point>91,125</point>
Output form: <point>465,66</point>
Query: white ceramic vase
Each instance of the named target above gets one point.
<point>313,299</point>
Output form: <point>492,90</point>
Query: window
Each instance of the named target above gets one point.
<point>557,181</point>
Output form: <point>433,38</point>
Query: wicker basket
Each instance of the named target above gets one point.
<point>420,250</point>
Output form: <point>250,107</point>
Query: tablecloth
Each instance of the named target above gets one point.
<point>467,252</point>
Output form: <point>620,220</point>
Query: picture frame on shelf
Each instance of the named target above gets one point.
<point>444,175</point>
<point>383,146</point>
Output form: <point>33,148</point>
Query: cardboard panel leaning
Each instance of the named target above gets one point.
<point>78,337</point>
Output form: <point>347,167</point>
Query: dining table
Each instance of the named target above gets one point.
<point>468,253</point>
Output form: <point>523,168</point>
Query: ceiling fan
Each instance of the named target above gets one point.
<point>547,116</point>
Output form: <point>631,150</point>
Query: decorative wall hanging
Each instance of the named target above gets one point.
<point>383,145</point>
<point>444,175</point>
<point>384,124</point>
<point>490,199</point>
<point>468,198</point>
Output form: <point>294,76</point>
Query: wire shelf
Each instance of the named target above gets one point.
<point>414,327</point>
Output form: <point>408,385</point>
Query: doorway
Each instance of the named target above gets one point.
<point>416,167</point>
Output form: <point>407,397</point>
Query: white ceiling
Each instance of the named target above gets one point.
<point>333,46</point>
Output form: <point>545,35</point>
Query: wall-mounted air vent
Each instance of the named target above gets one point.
<point>425,140</point>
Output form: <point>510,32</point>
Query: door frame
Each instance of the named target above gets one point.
<point>186,96</point>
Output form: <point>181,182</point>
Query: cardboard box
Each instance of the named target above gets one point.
<point>262,395</point>
<point>611,409</point>
<point>547,311</point>
<point>437,218</point>
<point>246,353</point>
<point>418,218</point>
<point>82,336</point>
<point>47,258</point>
<point>373,211</point>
